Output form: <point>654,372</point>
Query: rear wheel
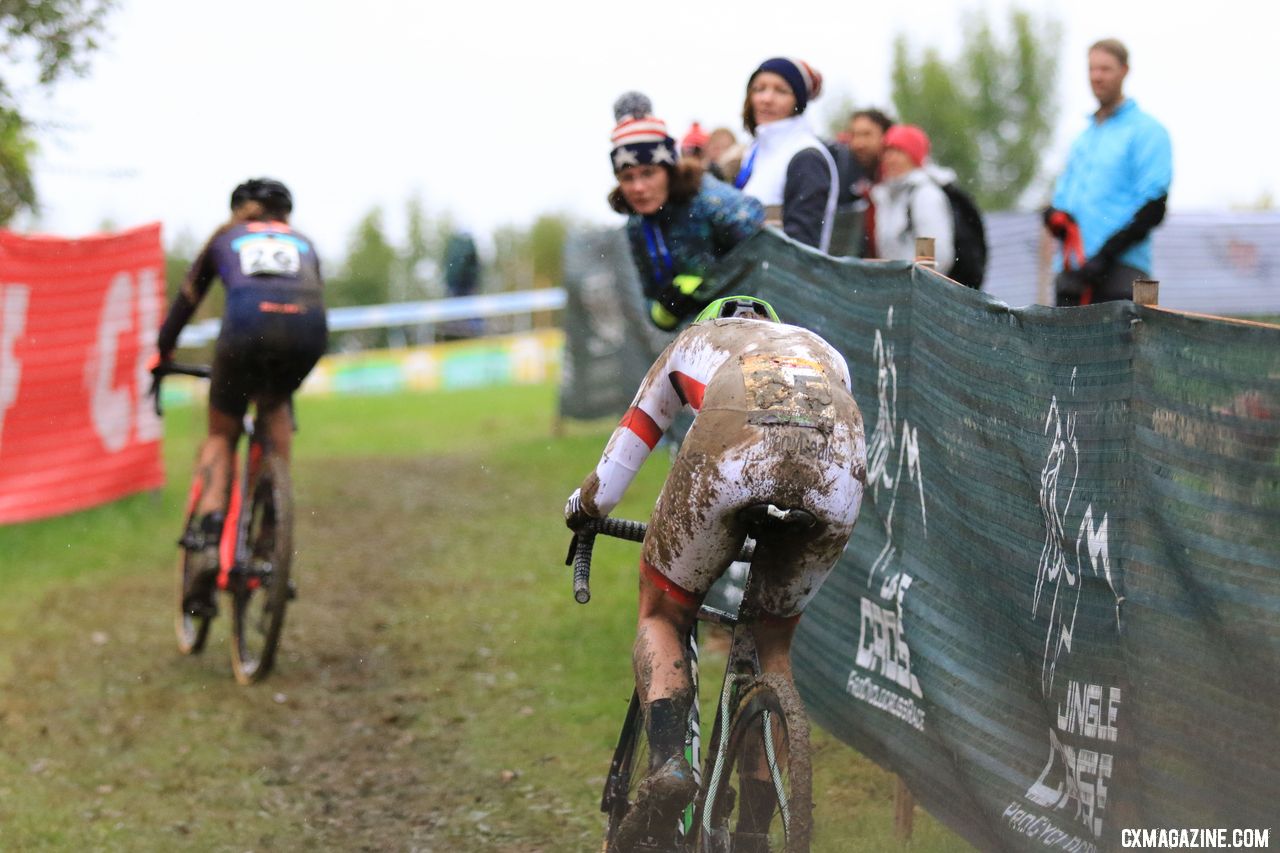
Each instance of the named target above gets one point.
<point>192,631</point>
<point>260,588</point>
<point>763,800</point>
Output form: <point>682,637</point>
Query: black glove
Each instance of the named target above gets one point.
<point>575,517</point>
<point>1096,268</point>
<point>1070,283</point>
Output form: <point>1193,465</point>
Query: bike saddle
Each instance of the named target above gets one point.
<point>768,515</point>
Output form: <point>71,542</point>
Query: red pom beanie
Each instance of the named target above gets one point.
<point>910,140</point>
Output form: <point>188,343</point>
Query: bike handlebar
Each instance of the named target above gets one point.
<point>168,368</point>
<point>584,541</point>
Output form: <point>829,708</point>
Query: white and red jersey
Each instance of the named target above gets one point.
<point>733,364</point>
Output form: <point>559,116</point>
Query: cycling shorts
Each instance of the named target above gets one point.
<point>728,463</point>
<point>264,351</point>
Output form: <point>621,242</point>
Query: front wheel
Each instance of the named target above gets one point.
<point>260,588</point>
<point>763,800</point>
<point>630,764</point>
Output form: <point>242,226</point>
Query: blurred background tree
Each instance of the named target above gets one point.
<point>56,36</point>
<point>990,112</point>
<point>546,249</point>
<point>365,278</point>
<point>524,259</point>
<point>421,259</point>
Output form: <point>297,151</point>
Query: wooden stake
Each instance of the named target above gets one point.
<point>1146,291</point>
<point>1045,269</point>
<point>924,252</point>
<point>904,806</point>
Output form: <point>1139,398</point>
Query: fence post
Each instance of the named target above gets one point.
<point>904,805</point>
<point>1045,269</point>
<point>1146,291</point>
<point>924,252</point>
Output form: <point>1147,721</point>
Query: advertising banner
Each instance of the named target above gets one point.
<point>78,323</point>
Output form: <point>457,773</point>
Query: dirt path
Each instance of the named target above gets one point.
<point>438,690</point>
<point>112,739</point>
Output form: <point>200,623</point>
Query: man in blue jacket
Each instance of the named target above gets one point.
<point>1112,192</point>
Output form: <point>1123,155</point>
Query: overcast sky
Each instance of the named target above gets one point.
<point>497,112</point>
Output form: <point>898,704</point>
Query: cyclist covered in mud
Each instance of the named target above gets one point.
<point>775,423</point>
<point>273,332</point>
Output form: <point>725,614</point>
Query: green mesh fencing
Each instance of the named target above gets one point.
<point>1059,615</point>
<point>609,341</point>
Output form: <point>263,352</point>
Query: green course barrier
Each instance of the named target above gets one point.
<point>1059,616</point>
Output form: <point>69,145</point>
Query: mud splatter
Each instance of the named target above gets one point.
<point>590,488</point>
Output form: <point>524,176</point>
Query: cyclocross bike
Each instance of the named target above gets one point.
<point>255,550</point>
<point>760,734</point>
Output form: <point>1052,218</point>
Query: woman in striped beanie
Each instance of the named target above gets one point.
<point>681,221</point>
<point>788,168</point>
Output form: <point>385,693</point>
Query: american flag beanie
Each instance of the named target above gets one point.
<point>642,141</point>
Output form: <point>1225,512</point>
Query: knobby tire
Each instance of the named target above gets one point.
<point>257,612</point>
<point>192,631</point>
<point>631,761</point>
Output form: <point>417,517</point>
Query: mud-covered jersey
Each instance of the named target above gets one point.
<point>771,372</point>
<point>265,267</point>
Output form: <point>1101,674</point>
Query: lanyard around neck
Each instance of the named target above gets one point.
<point>664,267</point>
<point>744,173</point>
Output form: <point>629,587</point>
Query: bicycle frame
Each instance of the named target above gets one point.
<point>233,549</point>
<point>742,666</point>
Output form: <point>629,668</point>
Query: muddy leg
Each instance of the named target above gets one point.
<point>662,667</point>
<point>214,462</point>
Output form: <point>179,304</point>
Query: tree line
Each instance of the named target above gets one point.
<point>989,112</point>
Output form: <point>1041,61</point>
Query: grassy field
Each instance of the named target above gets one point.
<point>440,689</point>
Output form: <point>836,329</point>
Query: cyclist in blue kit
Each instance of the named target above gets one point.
<point>273,332</point>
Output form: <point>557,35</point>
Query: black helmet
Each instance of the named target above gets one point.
<point>274,195</point>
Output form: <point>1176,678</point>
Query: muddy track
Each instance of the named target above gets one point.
<point>339,749</point>
<point>410,710</point>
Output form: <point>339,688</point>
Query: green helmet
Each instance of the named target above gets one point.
<point>738,306</point>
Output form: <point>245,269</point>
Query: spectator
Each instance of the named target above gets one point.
<point>788,168</point>
<point>866,140</point>
<point>461,264</point>
<point>1112,192</point>
<point>694,144</point>
<point>909,200</point>
<point>724,154</point>
<point>461,278</point>
<point>680,219</point>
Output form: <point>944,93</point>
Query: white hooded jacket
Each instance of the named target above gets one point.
<point>914,205</point>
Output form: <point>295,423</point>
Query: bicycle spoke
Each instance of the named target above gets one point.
<point>759,794</point>
<point>775,771</point>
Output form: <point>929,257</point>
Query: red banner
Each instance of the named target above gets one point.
<point>78,323</point>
